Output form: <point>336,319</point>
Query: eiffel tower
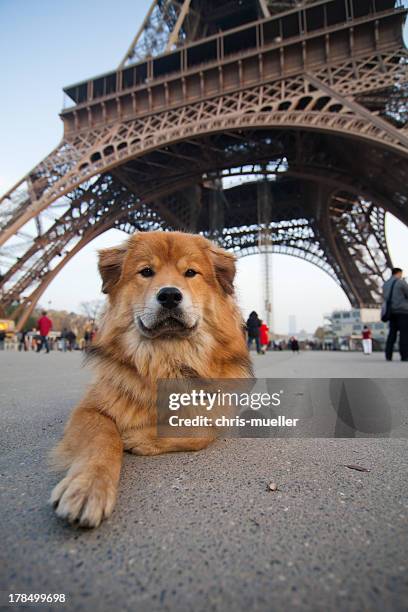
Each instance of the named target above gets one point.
<point>264,125</point>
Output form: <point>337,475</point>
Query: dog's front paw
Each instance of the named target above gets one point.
<point>84,497</point>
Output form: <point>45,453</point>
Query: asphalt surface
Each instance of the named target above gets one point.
<point>202,531</point>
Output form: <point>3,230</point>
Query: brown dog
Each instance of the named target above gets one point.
<point>171,313</point>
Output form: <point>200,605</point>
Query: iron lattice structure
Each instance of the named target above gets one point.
<point>265,125</point>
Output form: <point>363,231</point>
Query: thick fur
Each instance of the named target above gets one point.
<point>119,410</point>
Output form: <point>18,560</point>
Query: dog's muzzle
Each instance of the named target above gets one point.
<point>169,317</point>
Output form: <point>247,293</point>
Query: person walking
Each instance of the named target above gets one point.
<point>64,340</point>
<point>44,325</point>
<point>395,310</point>
<point>2,339</point>
<point>31,339</point>
<point>22,341</point>
<point>264,337</point>
<point>71,337</point>
<point>367,341</point>
<point>253,326</point>
<point>294,345</point>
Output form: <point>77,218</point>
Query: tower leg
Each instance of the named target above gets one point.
<point>353,237</point>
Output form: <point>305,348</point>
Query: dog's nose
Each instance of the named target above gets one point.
<point>169,297</point>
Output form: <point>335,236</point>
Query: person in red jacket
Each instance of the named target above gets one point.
<point>264,337</point>
<point>44,325</point>
<point>367,341</point>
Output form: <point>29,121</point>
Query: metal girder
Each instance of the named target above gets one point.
<point>159,32</point>
<point>371,120</point>
<point>358,229</point>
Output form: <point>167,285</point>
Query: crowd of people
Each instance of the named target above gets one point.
<point>258,332</point>
<point>42,338</point>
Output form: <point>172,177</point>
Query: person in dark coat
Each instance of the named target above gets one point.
<point>398,321</point>
<point>22,344</point>
<point>64,339</point>
<point>294,345</point>
<point>71,337</point>
<point>253,326</point>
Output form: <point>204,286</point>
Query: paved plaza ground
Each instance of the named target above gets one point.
<point>201,531</point>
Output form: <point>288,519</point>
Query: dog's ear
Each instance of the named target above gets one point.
<point>110,266</point>
<point>224,266</point>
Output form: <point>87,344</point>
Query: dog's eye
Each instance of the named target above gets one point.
<point>190,273</point>
<point>146,272</point>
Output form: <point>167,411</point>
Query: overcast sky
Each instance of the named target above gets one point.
<point>46,45</point>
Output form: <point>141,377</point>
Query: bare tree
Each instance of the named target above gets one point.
<point>92,309</point>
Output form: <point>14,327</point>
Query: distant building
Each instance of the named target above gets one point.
<point>292,325</point>
<point>343,328</point>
